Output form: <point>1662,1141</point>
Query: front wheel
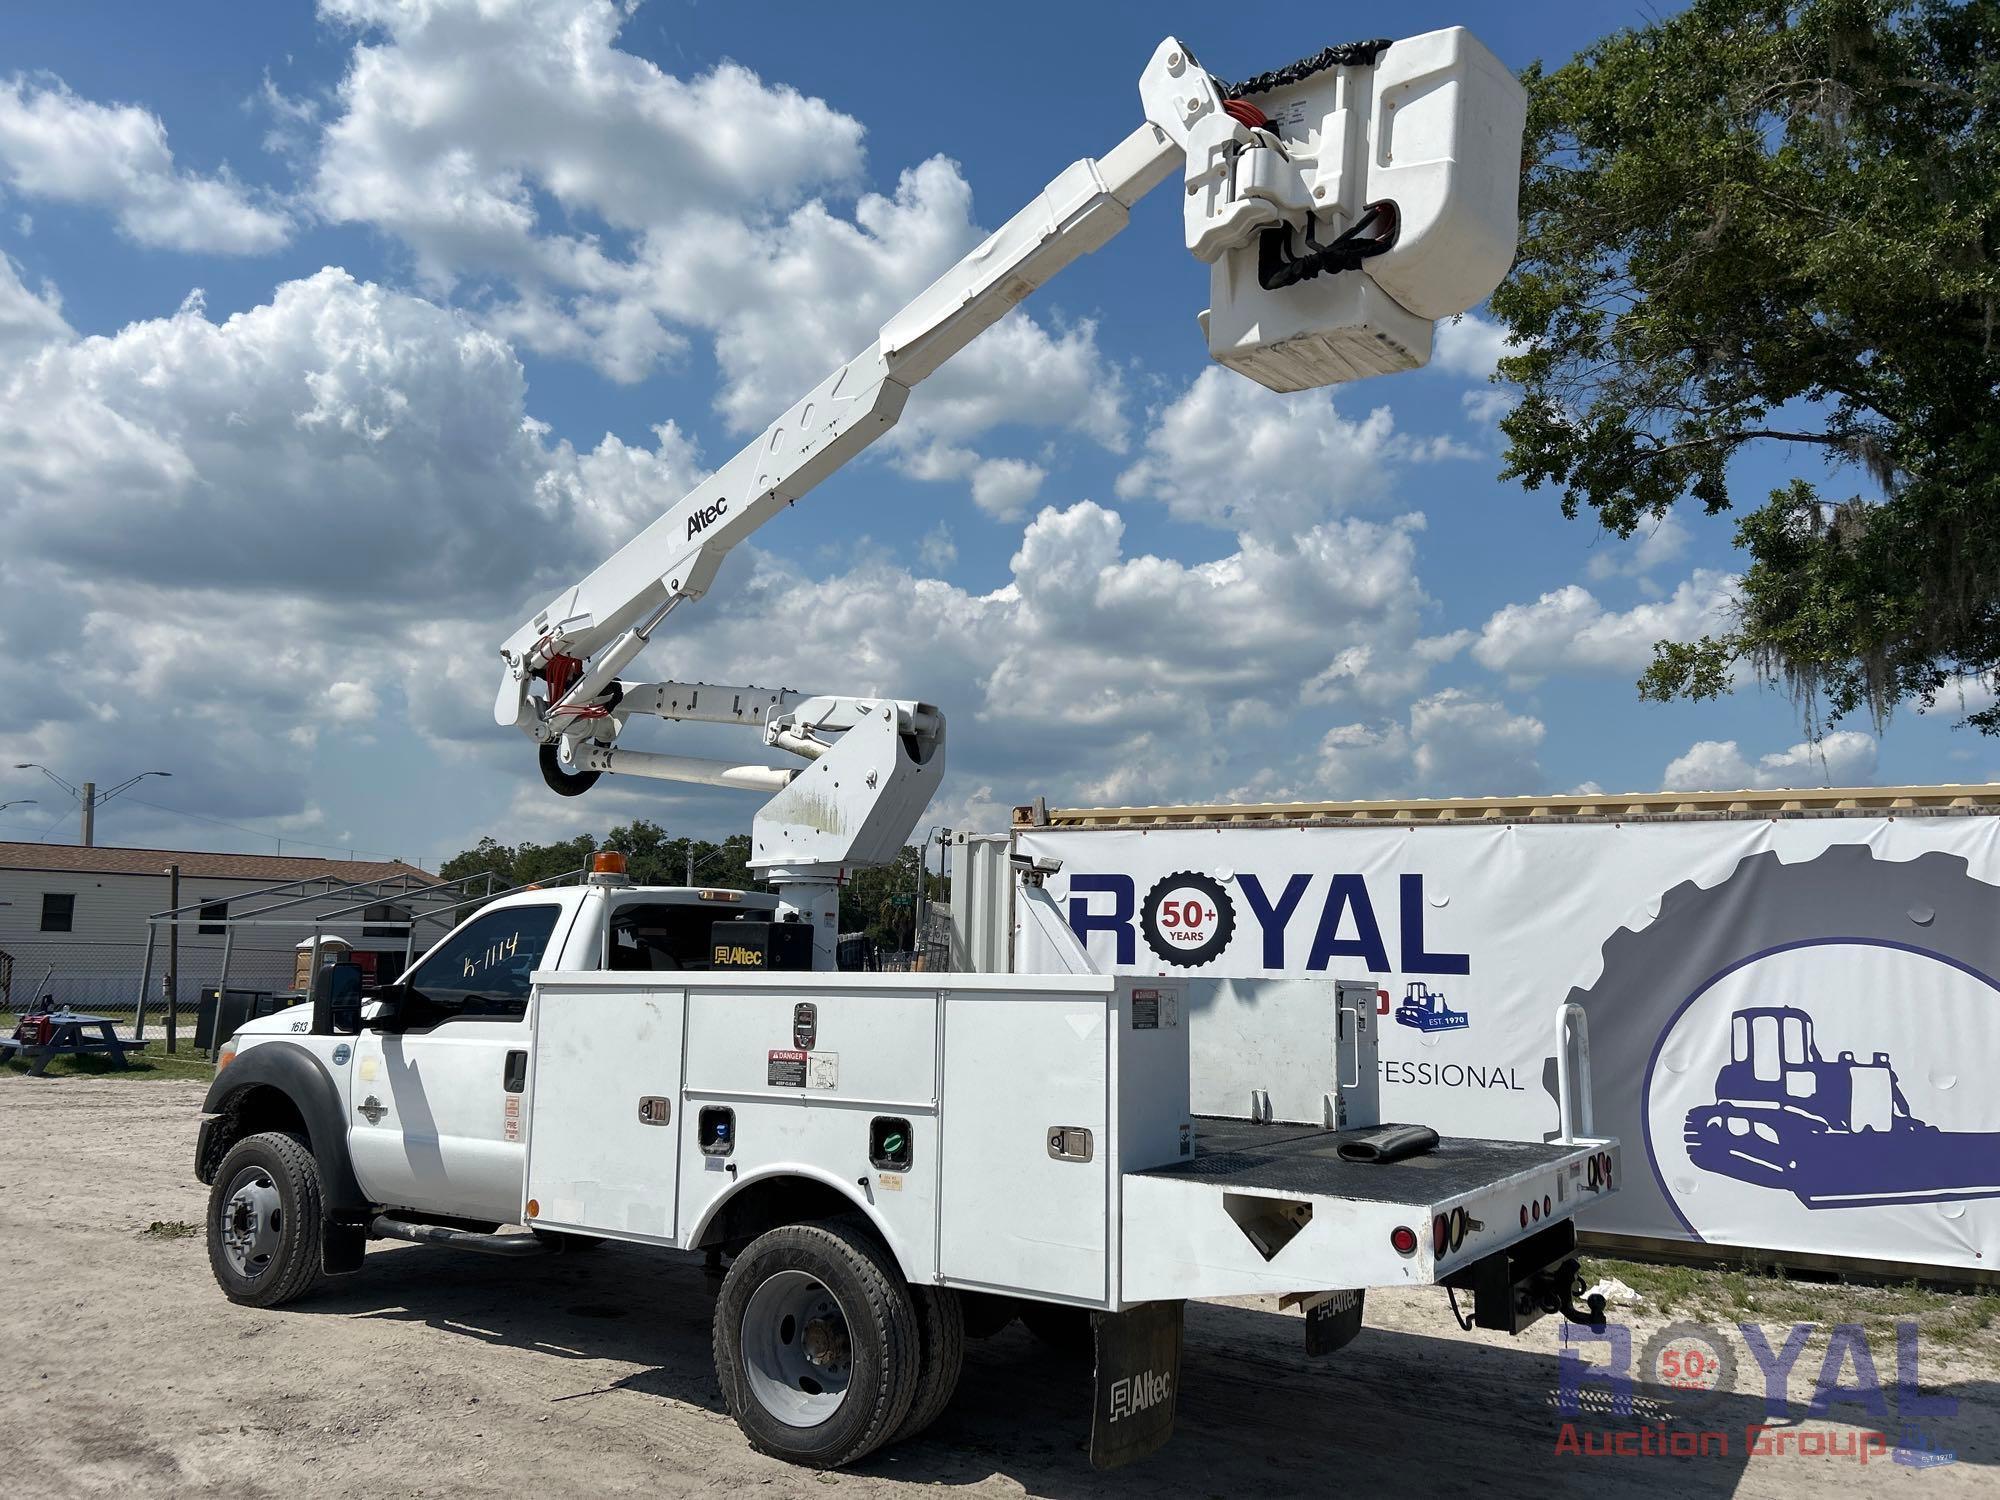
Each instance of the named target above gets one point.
<point>264,1218</point>
<point>817,1345</point>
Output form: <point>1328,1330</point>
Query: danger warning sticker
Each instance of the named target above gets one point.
<point>785,1069</point>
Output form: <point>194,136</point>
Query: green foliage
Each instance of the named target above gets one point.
<point>868,900</point>
<point>1754,224</point>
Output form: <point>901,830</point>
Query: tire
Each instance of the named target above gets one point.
<point>941,1356</point>
<point>817,1344</point>
<point>265,1213</point>
<point>987,1314</point>
<point>561,780</point>
<point>1066,1330</point>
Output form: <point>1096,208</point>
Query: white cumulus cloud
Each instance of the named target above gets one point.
<point>1568,629</point>
<point>1844,758</point>
<point>60,147</point>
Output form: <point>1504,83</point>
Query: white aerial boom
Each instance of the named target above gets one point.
<point>1343,204</point>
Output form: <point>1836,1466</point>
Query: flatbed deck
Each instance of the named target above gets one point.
<point>1305,1159</point>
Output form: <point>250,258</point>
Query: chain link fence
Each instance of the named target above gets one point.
<point>103,980</point>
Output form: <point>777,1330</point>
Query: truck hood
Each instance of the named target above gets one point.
<point>286,1022</point>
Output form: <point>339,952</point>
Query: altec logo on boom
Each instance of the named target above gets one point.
<point>1189,919</point>
<point>706,517</point>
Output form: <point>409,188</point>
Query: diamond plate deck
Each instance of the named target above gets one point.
<point>1305,1161</point>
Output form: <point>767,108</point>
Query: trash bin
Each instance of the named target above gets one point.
<point>228,1009</point>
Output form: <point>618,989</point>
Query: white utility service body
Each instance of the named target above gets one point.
<point>1052,1155</point>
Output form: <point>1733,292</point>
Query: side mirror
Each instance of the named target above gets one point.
<point>336,1000</point>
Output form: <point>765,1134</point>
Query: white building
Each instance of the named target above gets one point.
<point>73,921</point>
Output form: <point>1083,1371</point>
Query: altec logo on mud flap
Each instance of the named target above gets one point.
<point>706,517</point>
<point>1189,920</point>
<point>1141,1392</point>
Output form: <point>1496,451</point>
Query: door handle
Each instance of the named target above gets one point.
<point>515,1077</point>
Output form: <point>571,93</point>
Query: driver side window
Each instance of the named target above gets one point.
<point>480,972</point>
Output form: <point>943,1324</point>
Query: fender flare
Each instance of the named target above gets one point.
<point>819,1179</point>
<point>303,1079</point>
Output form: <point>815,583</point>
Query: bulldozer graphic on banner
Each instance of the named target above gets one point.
<point>1424,1009</point>
<point>1836,1134</point>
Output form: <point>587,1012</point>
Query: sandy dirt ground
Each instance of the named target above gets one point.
<point>433,1372</point>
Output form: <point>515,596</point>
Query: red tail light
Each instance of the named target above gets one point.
<point>1440,1234</point>
<point>1404,1239</point>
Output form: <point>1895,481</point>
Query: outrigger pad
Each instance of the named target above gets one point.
<point>1137,1381</point>
<point>1386,1143</point>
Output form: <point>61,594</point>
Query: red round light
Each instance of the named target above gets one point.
<point>1524,1216</point>
<point>1404,1239</point>
<point>1536,1210</point>
<point>1548,1208</point>
<point>1440,1234</point>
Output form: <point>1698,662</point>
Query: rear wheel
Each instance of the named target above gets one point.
<point>264,1220</point>
<point>817,1344</point>
<point>941,1339</point>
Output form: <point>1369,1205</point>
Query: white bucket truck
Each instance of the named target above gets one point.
<point>885,1162</point>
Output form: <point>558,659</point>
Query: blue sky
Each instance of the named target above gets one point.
<point>263,523</point>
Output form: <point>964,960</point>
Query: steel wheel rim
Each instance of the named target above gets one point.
<point>252,1223</point>
<point>798,1354</point>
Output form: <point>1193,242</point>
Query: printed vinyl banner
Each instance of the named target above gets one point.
<point>1794,1022</point>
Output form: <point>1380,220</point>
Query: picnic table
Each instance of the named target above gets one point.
<point>69,1033</point>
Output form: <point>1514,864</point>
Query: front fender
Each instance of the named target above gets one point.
<point>300,1076</point>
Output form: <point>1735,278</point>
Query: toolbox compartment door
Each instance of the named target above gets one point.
<point>606,1084</point>
<point>1017,1213</point>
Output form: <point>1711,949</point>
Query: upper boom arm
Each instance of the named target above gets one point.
<point>608,616</point>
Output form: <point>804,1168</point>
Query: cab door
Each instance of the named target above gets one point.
<point>437,1106</point>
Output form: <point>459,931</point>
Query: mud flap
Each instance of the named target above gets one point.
<point>342,1247</point>
<point>1332,1320</point>
<point>1137,1381</point>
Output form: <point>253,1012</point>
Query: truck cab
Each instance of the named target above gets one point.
<point>429,1088</point>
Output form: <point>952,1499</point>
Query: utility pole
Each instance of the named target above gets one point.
<point>690,863</point>
<point>173,956</point>
<point>88,799</point>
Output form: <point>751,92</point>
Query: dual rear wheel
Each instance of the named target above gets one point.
<point>824,1352</point>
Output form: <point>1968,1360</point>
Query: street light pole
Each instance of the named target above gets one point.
<point>87,795</point>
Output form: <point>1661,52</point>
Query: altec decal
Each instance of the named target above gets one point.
<point>1140,1392</point>
<point>706,517</point>
<point>1343,925</point>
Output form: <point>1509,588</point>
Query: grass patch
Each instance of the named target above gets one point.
<point>1955,1318</point>
<point>152,1063</point>
<point>169,1229</point>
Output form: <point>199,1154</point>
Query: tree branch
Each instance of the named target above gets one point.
<point>1660,450</point>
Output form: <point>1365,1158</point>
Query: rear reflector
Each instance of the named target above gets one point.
<point>1404,1239</point>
